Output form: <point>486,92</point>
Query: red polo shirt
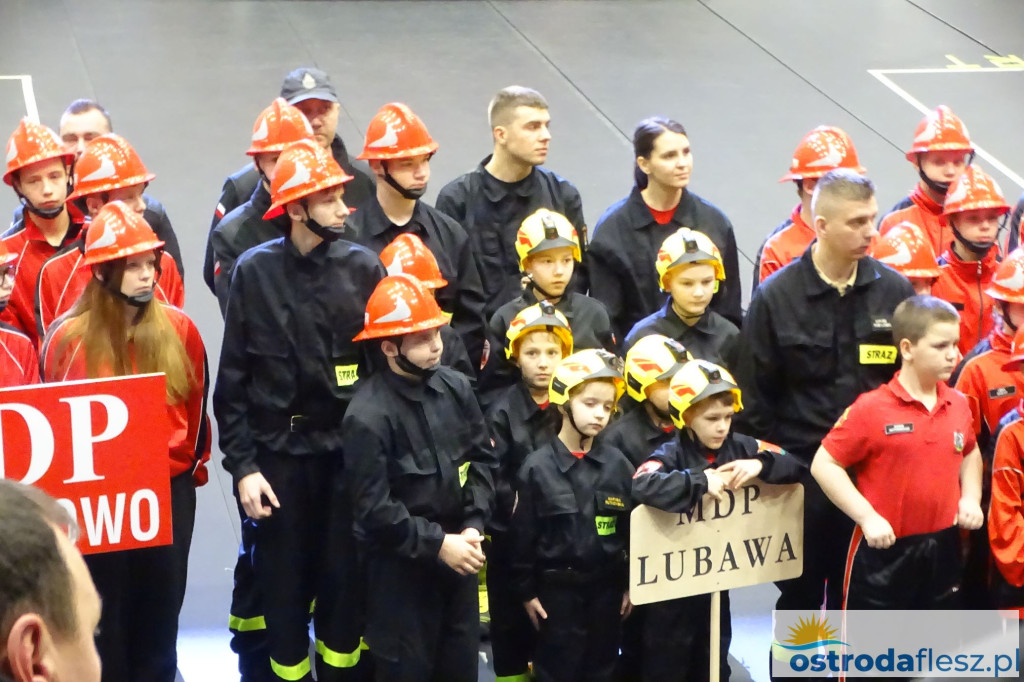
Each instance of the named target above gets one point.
<point>905,459</point>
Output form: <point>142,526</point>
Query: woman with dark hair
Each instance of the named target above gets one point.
<point>117,329</point>
<point>625,243</point>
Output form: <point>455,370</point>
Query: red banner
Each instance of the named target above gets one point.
<point>100,448</point>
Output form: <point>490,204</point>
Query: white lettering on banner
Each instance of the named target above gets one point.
<point>104,521</point>
<point>82,436</point>
<point>41,439</point>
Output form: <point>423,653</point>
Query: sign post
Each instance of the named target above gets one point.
<point>100,448</point>
<point>753,535</point>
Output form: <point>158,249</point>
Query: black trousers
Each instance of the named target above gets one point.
<point>512,635</point>
<point>303,550</point>
<point>919,572</point>
<point>579,640</point>
<point>677,640</point>
<point>142,592</point>
<point>629,667</point>
<point>247,623</point>
<point>423,620</point>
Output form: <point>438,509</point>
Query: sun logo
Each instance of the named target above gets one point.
<point>810,634</point>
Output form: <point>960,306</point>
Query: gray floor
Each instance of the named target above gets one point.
<point>184,81</point>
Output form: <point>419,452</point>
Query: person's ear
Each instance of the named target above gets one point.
<point>93,204</point>
<point>389,348</point>
<point>500,134</point>
<point>644,164</point>
<point>905,349</point>
<point>29,654</point>
<point>295,212</point>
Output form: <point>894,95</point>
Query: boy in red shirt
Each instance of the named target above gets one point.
<point>905,443</point>
<point>823,149</point>
<point>941,151</point>
<point>18,362</point>
<point>973,209</point>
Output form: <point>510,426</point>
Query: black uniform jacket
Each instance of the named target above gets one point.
<point>463,296</point>
<point>712,338</point>
<point>806,353</point>
<point>239,186</point>
<point>623,251</point>
<point>518,426</point>
<point>492,211</point>
<point>673,478</point>
<point>420,462</point>
<point>571,514</point>
<point>288,365</point>
<point>239,231</point>
<point>635,435</point>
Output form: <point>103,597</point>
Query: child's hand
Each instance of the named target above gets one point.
<point>739,471</point>
<point>535,611</point>
<point>627,606</point>
<point>716,484</point>
<point>969,514</point>
<point>463,555</point>
<point>878,532</point>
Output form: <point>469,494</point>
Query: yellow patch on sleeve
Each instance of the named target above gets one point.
<point>346,374</point>
<point>605,525</point>
<point>463,474</point>
<point>877,355</point>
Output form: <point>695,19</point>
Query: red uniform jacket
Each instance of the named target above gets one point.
<point>785,245</point>
<point>919,209</point>
<point>1006,513</point>
<point>990,389</point>
<point>963,284</point>
<point>189,445</point>
<point>19,364</point>
<point>28,242</point>
<point>62,280</point>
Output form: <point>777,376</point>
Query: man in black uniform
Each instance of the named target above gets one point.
<point>399,150</point>
<point>310,90</point>
<point>492,201</point>
<point>520,421</point>
<point>288,370</point>
<point>276,127</point>
<point>421,474</point>
<point>84,120</point>
<point>818,334</point>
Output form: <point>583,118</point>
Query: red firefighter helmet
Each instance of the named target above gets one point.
<point>107,163</point>
<point>400,305</point>
<point>905,249</point>
<point>1008,282</point>
<point>278,126</point>
<point>304,168</point>
<point>117,232</point>
<point>31,143</point>
<point>395,132</point>
<point>940,131</point>
<point>408,255</point>
<point>974,190</point>
<point>823,149</point>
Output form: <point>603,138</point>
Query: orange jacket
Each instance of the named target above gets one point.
<point>61,281</point>
<point>19,364</point>
<point>963,283</point>
<point>189,445</point>
<point>1006,513</point>
<point>919,209</point>
<point>785,244</point>
<point>991,390</point>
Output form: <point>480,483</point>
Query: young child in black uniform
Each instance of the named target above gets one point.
<point>521,421</point>
<point>420,468</point>
<point>690,271</point>
<point>637,433</point>
<point>706,458</point>
<point>548,249</point>
<point>570,528</point>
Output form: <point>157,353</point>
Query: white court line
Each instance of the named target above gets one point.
<point>29,93</point>
<point>914,102</point>
<point>961,69</point>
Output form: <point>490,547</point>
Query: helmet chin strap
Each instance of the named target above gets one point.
<point>48,214</point>
<point>136,301</point>
<point>407,365</point>
<point>328,234</point>
<point>567,411</point>
<point>548,296</point>
<point>1004,308</point>
<point>977,248</point>
<point>937,187</point>
<point>411,194</point>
